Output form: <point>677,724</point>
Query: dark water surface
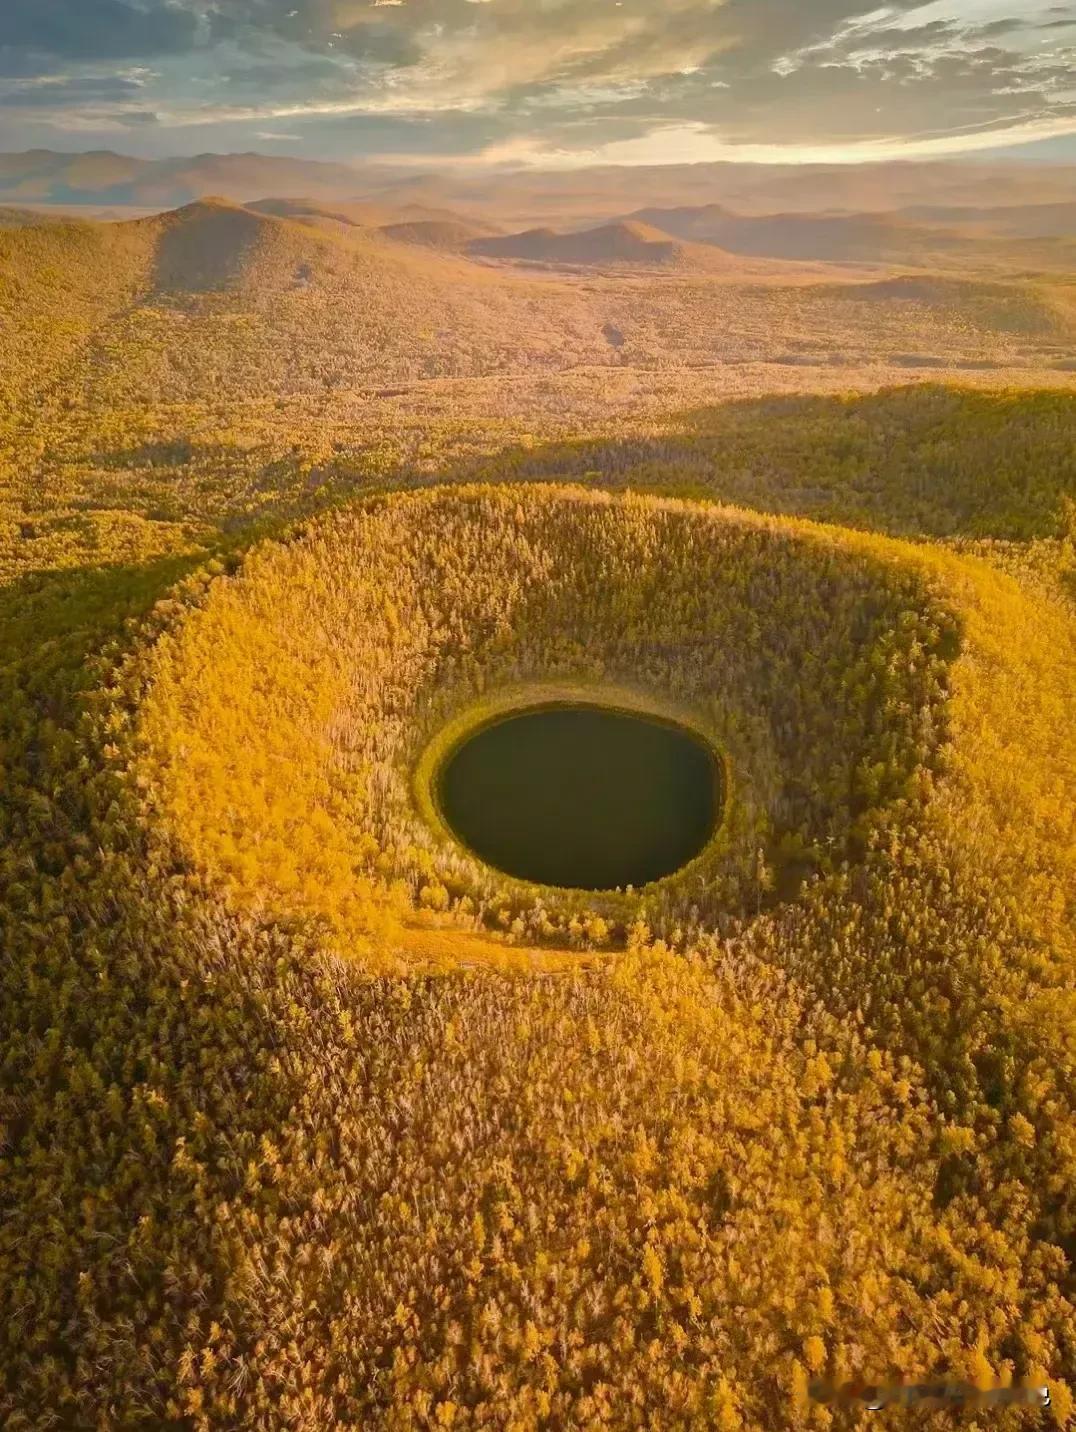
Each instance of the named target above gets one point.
<point>583,797</point>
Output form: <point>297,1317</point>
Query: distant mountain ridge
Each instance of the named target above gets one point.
<point>934,191</point>
<point>828,237</point>
<point>101,177</point>
<point>1013,237</point>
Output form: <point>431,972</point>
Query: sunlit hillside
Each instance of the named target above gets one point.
<point>313,1116</point>
<point>629,243</point>
<point>216,300</point>
<point>455,235</point>
<point>548,1189</point>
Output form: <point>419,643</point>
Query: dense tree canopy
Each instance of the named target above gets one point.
<point>308,1118</point>
<point>270,1161</point>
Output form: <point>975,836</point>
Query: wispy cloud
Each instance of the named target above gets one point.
<point>557,82</point>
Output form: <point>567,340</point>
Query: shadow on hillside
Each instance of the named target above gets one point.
<point>919,461</point>
<point>52,627</point>
<point>52,623</point>
<point>922,461</point>
<point>204,247</point>
<point>171,452</point>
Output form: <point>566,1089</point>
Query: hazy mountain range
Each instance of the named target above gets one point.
<point>938,192</point>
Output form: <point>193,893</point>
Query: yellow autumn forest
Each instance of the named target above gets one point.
<point>310,1117</point>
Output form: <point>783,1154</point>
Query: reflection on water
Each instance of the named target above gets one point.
<point>583,797</point>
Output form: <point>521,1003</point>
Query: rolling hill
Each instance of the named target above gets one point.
<point>454,235</point>
<point>309,1116</point>
<point>217,297</point>
<point>205,246</point>
<point>217,300</point>
<point>1028,310</point>
<point>629,243</point>
<point>927,239</point>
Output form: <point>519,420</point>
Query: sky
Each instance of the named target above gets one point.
<point>540,82</point>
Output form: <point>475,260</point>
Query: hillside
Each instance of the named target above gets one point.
<point>1026,309</point>
<point>451,235</point>
<point>626,244</point>
<point>842,238</point>
<point>217,299</point>
<point>13,217</point>
<point>265,1142</point>
<point>312,1118</point>
<point>353,214</point>
<point>205,246</point>
<point>60,284</point>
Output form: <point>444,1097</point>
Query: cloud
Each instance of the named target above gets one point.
<point>698,144</point>
<point>96,29</point>
<point>51,91</point>
<point>549,80</point>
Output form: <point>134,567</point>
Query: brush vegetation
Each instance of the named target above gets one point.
<point>309,1119</point>
<point>322,1178</point>
<point>284,720</point>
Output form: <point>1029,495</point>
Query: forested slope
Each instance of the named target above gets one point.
<point>420,1202</point>
<point>217,302</point>
<point>308,1118</point>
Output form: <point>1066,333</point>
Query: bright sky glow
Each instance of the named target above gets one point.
<point>559,83</point>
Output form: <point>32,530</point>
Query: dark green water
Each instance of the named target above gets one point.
<point>583,797</point>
